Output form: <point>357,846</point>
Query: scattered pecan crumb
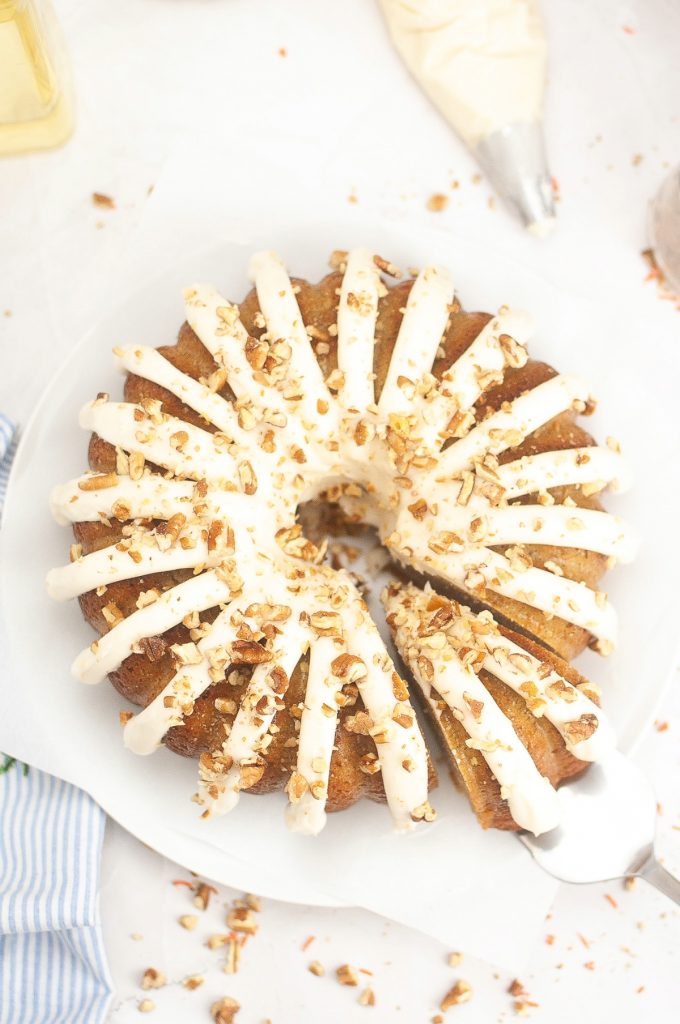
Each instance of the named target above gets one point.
<point>610,899</point>
<point>146,1006</point>
<point>240,919</point>
<point>549,939</point>
<point>367,997</point>
<point>460,992</point>
<point>202,897</point>
<point>316,968</point>
<point>516,988</point>
<point>282,51</point>
<point>193,981</point>
<point>437,202</point>
<point>233,961</point>
<point>454,959</point>
<point>188,921</point>
<point>522,1006</point>
<point>152,979</point>
<point>224,1010</point>
<point>661,726</point>
<point>346,975</point>
<point>102,200</point>
<point>254,902</point>
<point>307,943</point>
<point>589,965</point>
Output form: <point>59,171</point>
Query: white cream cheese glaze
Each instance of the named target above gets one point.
<point>357,315</point>
<point>225,508</point>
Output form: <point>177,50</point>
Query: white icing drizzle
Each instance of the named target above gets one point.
<point>144,732</point>
<point>110,565</point>
<point>509,426</point>
<point>420,333</point>
<point>538,588</point>
<point>203,456</point>
<point>219,329</point>
<point>540,472</point>
<point>284,321</point>
<point>151,497</point>
<point>108,653</point>
<point>316,739</point>
<point>357,315</point>
<point>559,525</point>
<point>216,323</point>
<point>405,787</point>
<point>287,439</point>
<point>465,378</point>
<point>481,365</point>
<point>558,700</point>
<point>251,724</point>
<point>150,364</point>
<point>532,801</point>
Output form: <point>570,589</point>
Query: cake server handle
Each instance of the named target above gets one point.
<point>660,877</point>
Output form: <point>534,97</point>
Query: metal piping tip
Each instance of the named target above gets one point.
<point>513,159</point>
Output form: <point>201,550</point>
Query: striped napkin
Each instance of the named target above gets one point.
<point>53,967</point>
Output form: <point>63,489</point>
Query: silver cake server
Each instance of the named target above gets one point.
<point>607,829</point>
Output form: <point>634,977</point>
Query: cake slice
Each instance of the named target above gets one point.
<point>514,719</point>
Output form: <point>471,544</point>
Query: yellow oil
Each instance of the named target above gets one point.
<point>35,107</point>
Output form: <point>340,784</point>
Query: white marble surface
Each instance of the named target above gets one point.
<point>148,71</point>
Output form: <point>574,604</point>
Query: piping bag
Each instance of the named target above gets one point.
<point>483,65</point>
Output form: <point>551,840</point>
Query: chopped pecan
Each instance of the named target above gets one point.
<point>224,1010</point>
<point>349,667</point>
<point>153,647</point>
<point>249,652</point>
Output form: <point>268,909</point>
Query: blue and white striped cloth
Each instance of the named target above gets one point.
<point>53,967</point>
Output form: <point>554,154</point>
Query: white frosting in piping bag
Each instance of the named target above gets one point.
<point>481,62</point>
<point>483,65</point>
<point>417,466</point>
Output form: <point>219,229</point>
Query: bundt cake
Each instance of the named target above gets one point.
<point>374,403</point>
